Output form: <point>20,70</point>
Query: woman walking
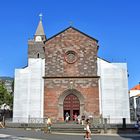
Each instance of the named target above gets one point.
<point>49,124</point>
<point>88,132</point>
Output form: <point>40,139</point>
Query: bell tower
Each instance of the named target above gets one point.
<point>36,45</point>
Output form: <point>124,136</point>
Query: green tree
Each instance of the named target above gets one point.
<point>5,96</point>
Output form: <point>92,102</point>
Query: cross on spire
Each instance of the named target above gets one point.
<point>71,23</point>
<point>40,15</point>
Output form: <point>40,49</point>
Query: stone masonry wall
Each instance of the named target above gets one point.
<point>71,57</point>
<point>35,48</point>
<point>86,55</point>
<point>88,88</point>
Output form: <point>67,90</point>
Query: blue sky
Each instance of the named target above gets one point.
<point>115,23</point>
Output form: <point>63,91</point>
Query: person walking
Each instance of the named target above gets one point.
<point>67,117</point>
<point>83,119</point>
<point>1,125</point>
<point>1,120</point>
<point>88,132</point>
<point>49,124</point>
<point>75,117</point>
<point>79,119</point>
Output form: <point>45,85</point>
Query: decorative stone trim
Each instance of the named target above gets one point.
<point>71,56</point>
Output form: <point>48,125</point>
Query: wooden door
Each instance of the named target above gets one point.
<point>71,105</point>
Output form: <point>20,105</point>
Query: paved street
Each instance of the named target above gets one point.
<point>18,134</point>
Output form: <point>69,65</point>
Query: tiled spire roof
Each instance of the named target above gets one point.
<point>40,29</point>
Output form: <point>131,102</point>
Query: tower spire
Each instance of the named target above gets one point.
<point>40,34</point>
<point>40,29</point>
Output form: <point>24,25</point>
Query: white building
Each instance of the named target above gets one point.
<point>134,94</point>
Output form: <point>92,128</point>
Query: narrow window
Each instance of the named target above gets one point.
<point>38,55</point>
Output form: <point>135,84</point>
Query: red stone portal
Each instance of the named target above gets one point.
<point>71,105</point>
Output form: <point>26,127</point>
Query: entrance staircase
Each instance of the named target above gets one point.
<point>59,127</point>
<point>71,128</point>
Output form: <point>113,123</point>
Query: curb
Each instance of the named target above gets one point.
<point>80,134</point>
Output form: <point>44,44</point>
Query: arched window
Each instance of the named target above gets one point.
<point>38,55</point>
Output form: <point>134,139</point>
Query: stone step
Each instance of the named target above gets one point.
<point>74,130</point>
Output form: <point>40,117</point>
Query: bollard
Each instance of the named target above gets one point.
<point>105,125</point>
<point>124,123</point>
<point>3,120</point>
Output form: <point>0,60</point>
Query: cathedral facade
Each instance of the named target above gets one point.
<point>65,74</point>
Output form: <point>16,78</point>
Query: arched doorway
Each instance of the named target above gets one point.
<point>71,105</point>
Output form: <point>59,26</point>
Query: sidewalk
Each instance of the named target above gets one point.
<point>21,134</point>
<point>4,136</point>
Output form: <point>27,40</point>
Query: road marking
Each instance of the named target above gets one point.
<point>4,135</point>
<point>16,138</point>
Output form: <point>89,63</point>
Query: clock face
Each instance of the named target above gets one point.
<point>70,56</point>
<point>38,38</point>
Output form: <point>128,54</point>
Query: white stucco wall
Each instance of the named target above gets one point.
<point>29,91</point>
<point>134,93</point>
<point>113,91</point>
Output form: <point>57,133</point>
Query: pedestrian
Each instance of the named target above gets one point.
<point>137,125</point>
<point>83,119</point>
<point>75,117</point>
<point>88,132</point>
<point>49,124</point>
<point>1,120</point>
<point>79,119</point>
<point>67,117</point>
<point>1,125</point>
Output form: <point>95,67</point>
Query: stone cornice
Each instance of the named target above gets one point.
<point>73,77</point>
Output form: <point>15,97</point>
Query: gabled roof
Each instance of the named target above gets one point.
<point>40,29</point>
<point>75,30</point>
<point>137,87</point>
